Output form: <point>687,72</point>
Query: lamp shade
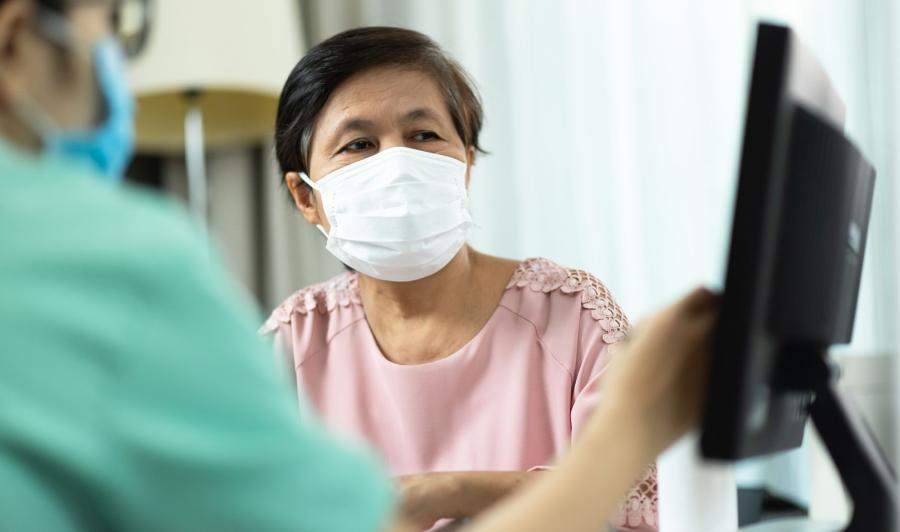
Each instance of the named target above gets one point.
<point>234,55</point>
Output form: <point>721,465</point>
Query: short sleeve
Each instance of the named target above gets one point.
<point>596,347</point>
<point>591,362</point>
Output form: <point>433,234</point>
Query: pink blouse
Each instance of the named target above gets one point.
<point>510,399</point>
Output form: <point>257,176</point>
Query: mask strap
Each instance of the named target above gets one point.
<point>312,185</point>
<point>33,117</point>
<point>307,180</point>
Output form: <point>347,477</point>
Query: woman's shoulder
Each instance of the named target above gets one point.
<point>544,288</point>
<point>341,291</point>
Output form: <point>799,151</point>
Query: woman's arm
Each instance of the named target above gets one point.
<point>429,497</point>
<point>586,488</point>
<point>666,360</point>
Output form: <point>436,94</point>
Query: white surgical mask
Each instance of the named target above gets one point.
<point>399,215</point>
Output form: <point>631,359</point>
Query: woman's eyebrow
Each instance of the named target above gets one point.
<point>419,114</point>
<point>353,124</point>
<point>348,125</point>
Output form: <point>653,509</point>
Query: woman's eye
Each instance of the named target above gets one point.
<point>358,145</point>
<point>424,136</point>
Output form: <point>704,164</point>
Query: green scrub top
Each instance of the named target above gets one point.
<point>134,392</point>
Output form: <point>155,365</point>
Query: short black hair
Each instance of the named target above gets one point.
<point>338,58</point>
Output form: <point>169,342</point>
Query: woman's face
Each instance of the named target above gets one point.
<point>370,112</point>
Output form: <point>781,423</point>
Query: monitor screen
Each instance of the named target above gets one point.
<point>797,243</point>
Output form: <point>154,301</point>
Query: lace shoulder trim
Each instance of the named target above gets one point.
<point>542,275</point>
<point>323,298</point>
<point>641,506</point>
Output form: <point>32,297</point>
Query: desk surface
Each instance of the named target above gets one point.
<point>795,525</point>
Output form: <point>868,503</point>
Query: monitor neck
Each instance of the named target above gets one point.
<point>862,465</point>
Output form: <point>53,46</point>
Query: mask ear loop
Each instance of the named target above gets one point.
<point>305,178</point>
<point>33,117</point>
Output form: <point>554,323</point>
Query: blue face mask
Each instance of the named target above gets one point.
<point>107,148</point>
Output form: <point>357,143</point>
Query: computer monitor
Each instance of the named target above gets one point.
<point>798,239</point>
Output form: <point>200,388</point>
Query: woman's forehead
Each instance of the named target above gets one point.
<point>384,94</point>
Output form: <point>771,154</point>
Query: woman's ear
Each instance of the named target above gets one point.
<point>304,198</point>
<point>470,162</point>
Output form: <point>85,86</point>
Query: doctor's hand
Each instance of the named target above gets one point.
<point>658,376</point>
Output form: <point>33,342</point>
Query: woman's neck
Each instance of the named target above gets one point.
<point>446,291</point>
<point>426,320</point>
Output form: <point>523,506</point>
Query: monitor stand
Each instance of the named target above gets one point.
<point>864,470</point>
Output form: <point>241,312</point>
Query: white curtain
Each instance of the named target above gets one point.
<point>614,129</point>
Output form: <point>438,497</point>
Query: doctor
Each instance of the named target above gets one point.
<point>134,394</point>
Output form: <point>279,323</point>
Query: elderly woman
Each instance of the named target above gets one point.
<point>469,373</point>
